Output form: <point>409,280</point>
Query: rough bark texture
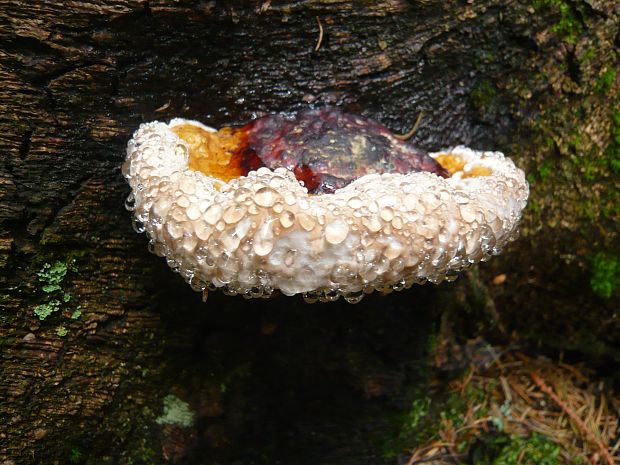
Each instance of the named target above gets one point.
<point>280,380</point>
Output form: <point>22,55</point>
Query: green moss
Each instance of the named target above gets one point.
<point>536,450</point>
<point>545,169</point>
<point>176,412</point>
<point>531,179</point>
<point>613,150</point>
<point>533,206</point>
<point>76,313</point>
<point>75,455</point>
<point>411,427</point>
<point>596,165</point>
<point>457,404</point>
<point>575,141</point>
<point>52,275</point>
<point>483,95</point>
<point>46,309</point>
<point>145,456</point>
<point>605,81</point>
<point>61,331</point>
<point>588,55</point>
<point>414,418</point>
<point>543,172</point>
<point>492,447</point>
<point>605,278</point>
<point>421,423</point>
<point>512,450</point>
<point>569,26</point>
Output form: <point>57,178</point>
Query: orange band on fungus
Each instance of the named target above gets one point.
<point>216,154</point>
<point>455,164</point>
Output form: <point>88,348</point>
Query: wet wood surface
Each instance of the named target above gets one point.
<point>273,380</point>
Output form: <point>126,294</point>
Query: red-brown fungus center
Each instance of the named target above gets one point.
<point>325,148</point>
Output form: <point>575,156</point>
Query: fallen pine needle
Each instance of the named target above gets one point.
<point>413,130</point>
<point>320,41</point>
<point>579,424</point>
<point>570,411</point>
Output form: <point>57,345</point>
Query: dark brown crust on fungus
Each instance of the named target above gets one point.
<point>328,149</point>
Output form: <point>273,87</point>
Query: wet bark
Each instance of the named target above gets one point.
<point>279,379</point>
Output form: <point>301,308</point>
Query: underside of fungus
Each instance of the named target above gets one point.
<point>321,203</point>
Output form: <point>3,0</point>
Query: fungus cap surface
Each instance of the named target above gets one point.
<point>223,224</point>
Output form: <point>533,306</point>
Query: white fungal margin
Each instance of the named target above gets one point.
<point>264,232</point>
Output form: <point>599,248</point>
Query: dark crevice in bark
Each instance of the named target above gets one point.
<point>61,355</point>
<point>134,17</point>
<point>45,79</point>
<point>524,41</point>
<point>50,98</point>
<point>40,220</point>
<point>25,145</point>
<point>147,8</point>
<point>30,46</point>
<point>573,67</point>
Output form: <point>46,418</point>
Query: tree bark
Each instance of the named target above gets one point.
<point>280,380</point>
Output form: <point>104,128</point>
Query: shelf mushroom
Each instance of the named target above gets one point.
<point>320,203</point>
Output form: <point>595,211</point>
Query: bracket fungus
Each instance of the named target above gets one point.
<point>321,203</point>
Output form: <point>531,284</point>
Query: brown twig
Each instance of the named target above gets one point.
<point>574,371</point>
<point>413,130</point>
<point>432,459</point>
<point>468,378</point>
<point>163,107</point>
<point>506,389</point>
<point>474,424</point>
<point>320,41</point>
<point>416,457</point>
<point>574,417</point>
<point>263,7</point>
<point>449,437</point>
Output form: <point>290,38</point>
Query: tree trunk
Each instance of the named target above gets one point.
<point>97,336</point>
